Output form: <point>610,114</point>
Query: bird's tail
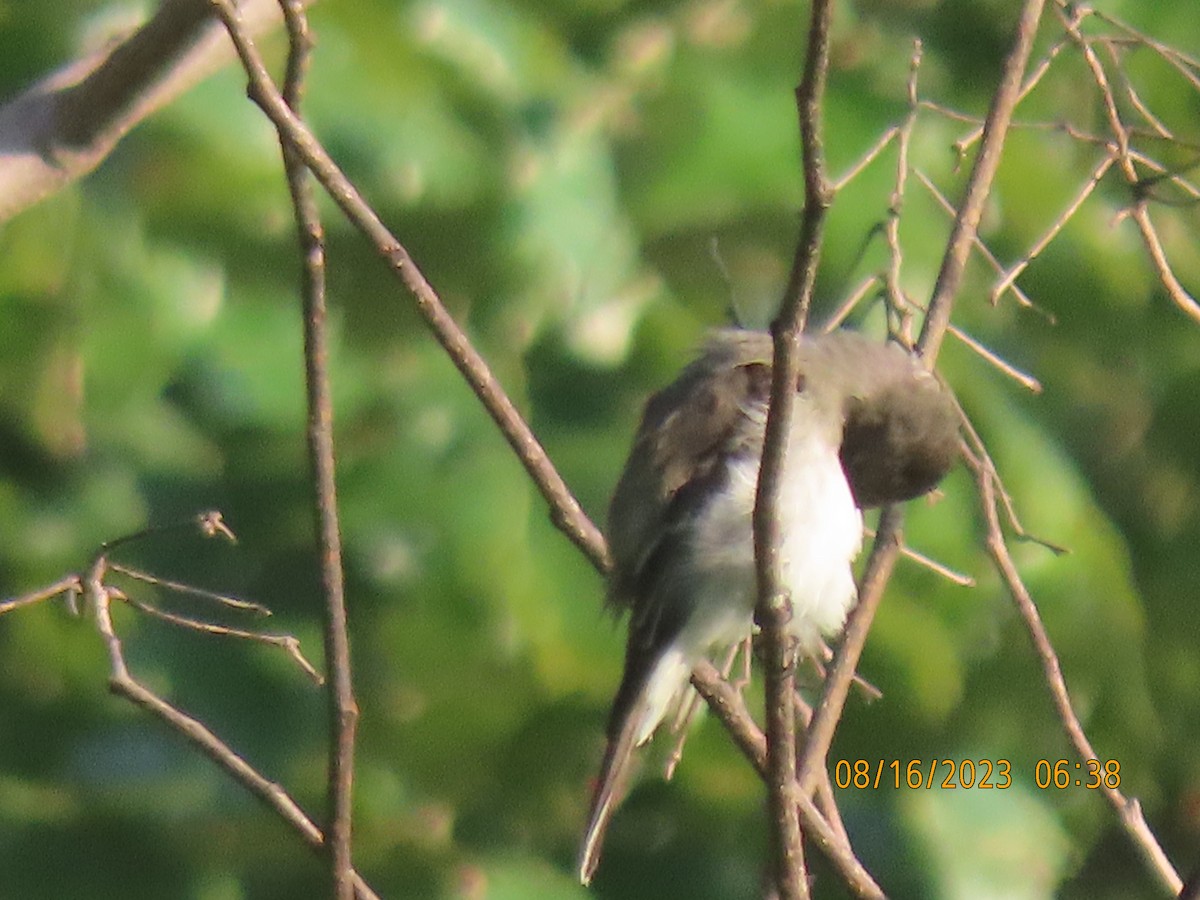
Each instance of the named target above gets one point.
<point>610,790</point>
<point>641,704</point>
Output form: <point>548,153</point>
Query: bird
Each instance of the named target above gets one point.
<point>871,426</point>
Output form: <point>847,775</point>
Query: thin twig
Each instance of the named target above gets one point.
<point>1027,381</point>
<point>63,585</point>
<point>1055,228</point>
<point>1187,66</point>
<point>972,449</point>
<point>847,306</point>
<point>978,244</point>
<point>983,172</point>
<point>1139,210</point>
<point>1036,74</point>
<point>180,588</point>
<point>927,562</point>
<point>289,643</point>
<point>1173,177</point>
<point>342,707</point>
<point>209,523</point>
<point>893,292</point>
<point>1131,93</point>
<point>867,158</point>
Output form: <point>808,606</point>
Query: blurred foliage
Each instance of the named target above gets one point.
<point>562,172</point>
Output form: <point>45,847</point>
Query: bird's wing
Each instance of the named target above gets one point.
<point>688,431</point>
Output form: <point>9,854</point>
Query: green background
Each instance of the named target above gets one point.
<point>561,172</point>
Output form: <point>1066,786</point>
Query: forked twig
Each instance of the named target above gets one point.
<point>730,707</point>
<point>123,684</point>
<point>1139,209</point>
<point>98,597</point>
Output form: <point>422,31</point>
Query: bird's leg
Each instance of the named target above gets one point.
<point>690,706</point>
<point>739,683</point>
<point>681,727</point>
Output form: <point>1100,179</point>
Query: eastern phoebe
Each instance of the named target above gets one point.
<point>871,426</point>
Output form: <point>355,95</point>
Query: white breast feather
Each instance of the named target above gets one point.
<point>821,536</point>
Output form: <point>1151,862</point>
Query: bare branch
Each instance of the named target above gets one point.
<point>867,158</point>
<point>180,588</point>
<point>1057,226</point>
<point>993,358</point>
<point>1036,74</point>
<point>728,705</point>
<point>973,449</point>
<point>290,644</point>
<point>209,523</point>
<point>978,243</point>
<point>891,279</point>
<point>847,306</point>
<point>566,513</point>
<point>927,562</point>
<point>840,675</point>
<point>1139,210</point>
<point>888,540</point>
<point>66,125</point>
<point>966,223</point>
<point>774,607</point>
<point>342,707</point>
<point>1128,811</point>
<point>192,730</point>
<point>1186,65</point>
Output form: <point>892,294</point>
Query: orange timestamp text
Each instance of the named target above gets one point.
<point>1088,773</point>
<point>923,774</point>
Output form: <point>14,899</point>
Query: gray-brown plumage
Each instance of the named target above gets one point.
<point>871,426</point>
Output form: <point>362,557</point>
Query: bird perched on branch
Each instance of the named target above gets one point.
<point>871,426</point>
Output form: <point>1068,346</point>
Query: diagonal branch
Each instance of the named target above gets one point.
<point>979,184</point>
<point>1129,811</point>
<point>565,510</point>
<point>68,585</point>
<point>65,125</point>
<point>729,706</point>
